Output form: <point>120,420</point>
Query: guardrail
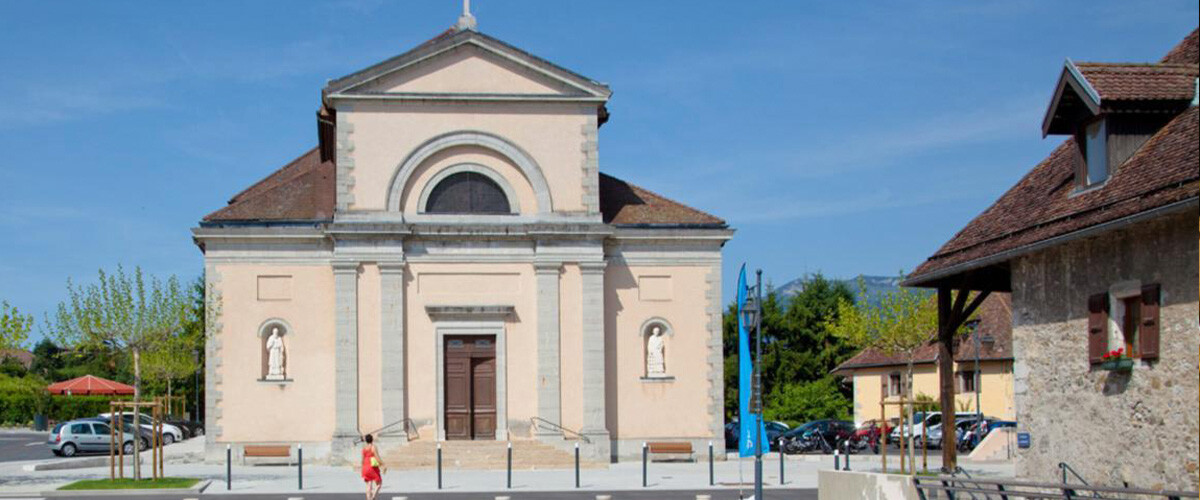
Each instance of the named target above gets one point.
<point>954,488</point>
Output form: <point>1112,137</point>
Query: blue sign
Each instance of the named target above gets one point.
<point>1022,440</point>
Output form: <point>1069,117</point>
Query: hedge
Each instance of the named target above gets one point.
<point>18,408</point>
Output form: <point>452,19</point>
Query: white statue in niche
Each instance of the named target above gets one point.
<point>655,363</point>
<point>275,355</point>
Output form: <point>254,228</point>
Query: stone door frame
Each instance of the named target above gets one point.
<point>493,328</point>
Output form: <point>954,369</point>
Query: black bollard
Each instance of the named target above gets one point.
<point>837,459</point>
<point>300,463</point>
<point>846,466</point>
<point>782,480</point>
<point>711,477</point>
<point>439,465</point>
<point>228,467</point>
<point>508,481</point>
<point>576,465</point>
<point>644,465</point>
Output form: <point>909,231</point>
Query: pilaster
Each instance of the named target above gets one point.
<point>549,356</point>
<point>392,347</point>
<point>594,396</point>
<point>345,283</point>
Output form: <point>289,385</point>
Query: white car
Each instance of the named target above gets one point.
<point>170,433</point>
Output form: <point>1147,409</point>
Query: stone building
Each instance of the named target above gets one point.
<point>1099,248</point>
<point>449,264</point>
<point>878,377</point>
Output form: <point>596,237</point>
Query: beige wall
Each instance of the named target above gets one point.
<point>469,70</point>
<point>370,408</point>
<point>254,411</point>
<point>637,407</point>
<point>551,133</point>
<point>471,284</point>
<point>996,385</point>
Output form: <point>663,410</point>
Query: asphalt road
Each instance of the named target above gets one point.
<point>810,494</point>
<point>18,446</point>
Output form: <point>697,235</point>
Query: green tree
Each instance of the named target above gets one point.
<point>798,347</point>
<point>122,312</point>
<point>47,360</point>
<point>902,322</point>
<point>14,327</point>
<point>796,403</point>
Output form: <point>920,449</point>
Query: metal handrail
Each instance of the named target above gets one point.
<point>406,422</point>
<point>1010,488</point>
<point>535,420</point>
<point>1065,468</point>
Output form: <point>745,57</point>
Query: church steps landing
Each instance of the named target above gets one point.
<point>527,455</point>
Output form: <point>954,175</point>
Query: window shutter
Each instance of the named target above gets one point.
<point>1097,327</point>
<point>1148,330</point>
<point>883,385</point>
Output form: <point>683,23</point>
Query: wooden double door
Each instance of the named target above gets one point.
<point>470,386</point>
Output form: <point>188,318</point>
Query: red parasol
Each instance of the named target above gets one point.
<point>90,385</point>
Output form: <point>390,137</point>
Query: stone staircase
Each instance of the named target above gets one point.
<point>527,455</point>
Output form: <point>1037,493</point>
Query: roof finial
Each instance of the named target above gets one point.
<point>466,21</point>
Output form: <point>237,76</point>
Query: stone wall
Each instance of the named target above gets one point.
<point>1138,428</point>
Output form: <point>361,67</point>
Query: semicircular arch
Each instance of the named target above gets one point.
<point>528,166</point>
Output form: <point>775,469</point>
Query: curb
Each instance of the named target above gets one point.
<point>197,489</point>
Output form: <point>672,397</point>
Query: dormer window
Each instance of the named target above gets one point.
<point>1095,152</point>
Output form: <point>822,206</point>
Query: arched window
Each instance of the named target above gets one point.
<point>467,193</point>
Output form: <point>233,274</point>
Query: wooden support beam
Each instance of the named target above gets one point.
<point>946,367</point>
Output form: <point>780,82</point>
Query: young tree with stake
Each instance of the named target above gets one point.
<point>122,312</point>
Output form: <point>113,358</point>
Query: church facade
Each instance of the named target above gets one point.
<point>449,263</point>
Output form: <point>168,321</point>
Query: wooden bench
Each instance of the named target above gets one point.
<point>267,451</point>
<point>670,448</point>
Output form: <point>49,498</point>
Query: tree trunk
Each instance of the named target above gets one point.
<point>137,418</point>
<point>908,389</point>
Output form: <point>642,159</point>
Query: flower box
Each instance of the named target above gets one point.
<point>1118,365</point>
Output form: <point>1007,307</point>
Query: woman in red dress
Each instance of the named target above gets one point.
<point>371,464</point>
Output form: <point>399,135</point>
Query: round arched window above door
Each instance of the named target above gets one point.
<point>467,193</point>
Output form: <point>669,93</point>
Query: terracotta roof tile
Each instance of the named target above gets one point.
<point>1187,52</point>
<point>995,319</point>
<point>1044,204</point>
<point>303,190</point>
<point>622,203</point>
<point>1141,82</point>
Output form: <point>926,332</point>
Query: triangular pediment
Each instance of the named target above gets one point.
<point>467,63</point>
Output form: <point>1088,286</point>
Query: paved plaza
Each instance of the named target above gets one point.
<point>623,480</point>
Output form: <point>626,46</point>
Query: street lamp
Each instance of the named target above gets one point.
<point>752,316</point>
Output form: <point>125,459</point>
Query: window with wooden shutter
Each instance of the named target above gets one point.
<point>1148,330</point>
<point>883,386</point>
<point>1097,327</point>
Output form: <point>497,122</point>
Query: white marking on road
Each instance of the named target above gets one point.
<point>35,443</point>
<point>295,498</point>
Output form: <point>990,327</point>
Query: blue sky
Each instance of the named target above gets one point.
<point>839,137</point>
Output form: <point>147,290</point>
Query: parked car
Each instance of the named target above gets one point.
<point>914,433</point>
<point>818,435</point>
<point>974,434</point>
<point>774,430</point>
<point>906,430</point>
<point>145,434</point>
<point>190,428</point>
<point>934,437</point>
<point>170,433</point>
<point>75,436</point>
<point>867,435</point>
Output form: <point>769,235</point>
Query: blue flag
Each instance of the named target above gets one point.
<point>747,422</point>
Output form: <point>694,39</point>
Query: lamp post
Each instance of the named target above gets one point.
<point>752,315</point>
